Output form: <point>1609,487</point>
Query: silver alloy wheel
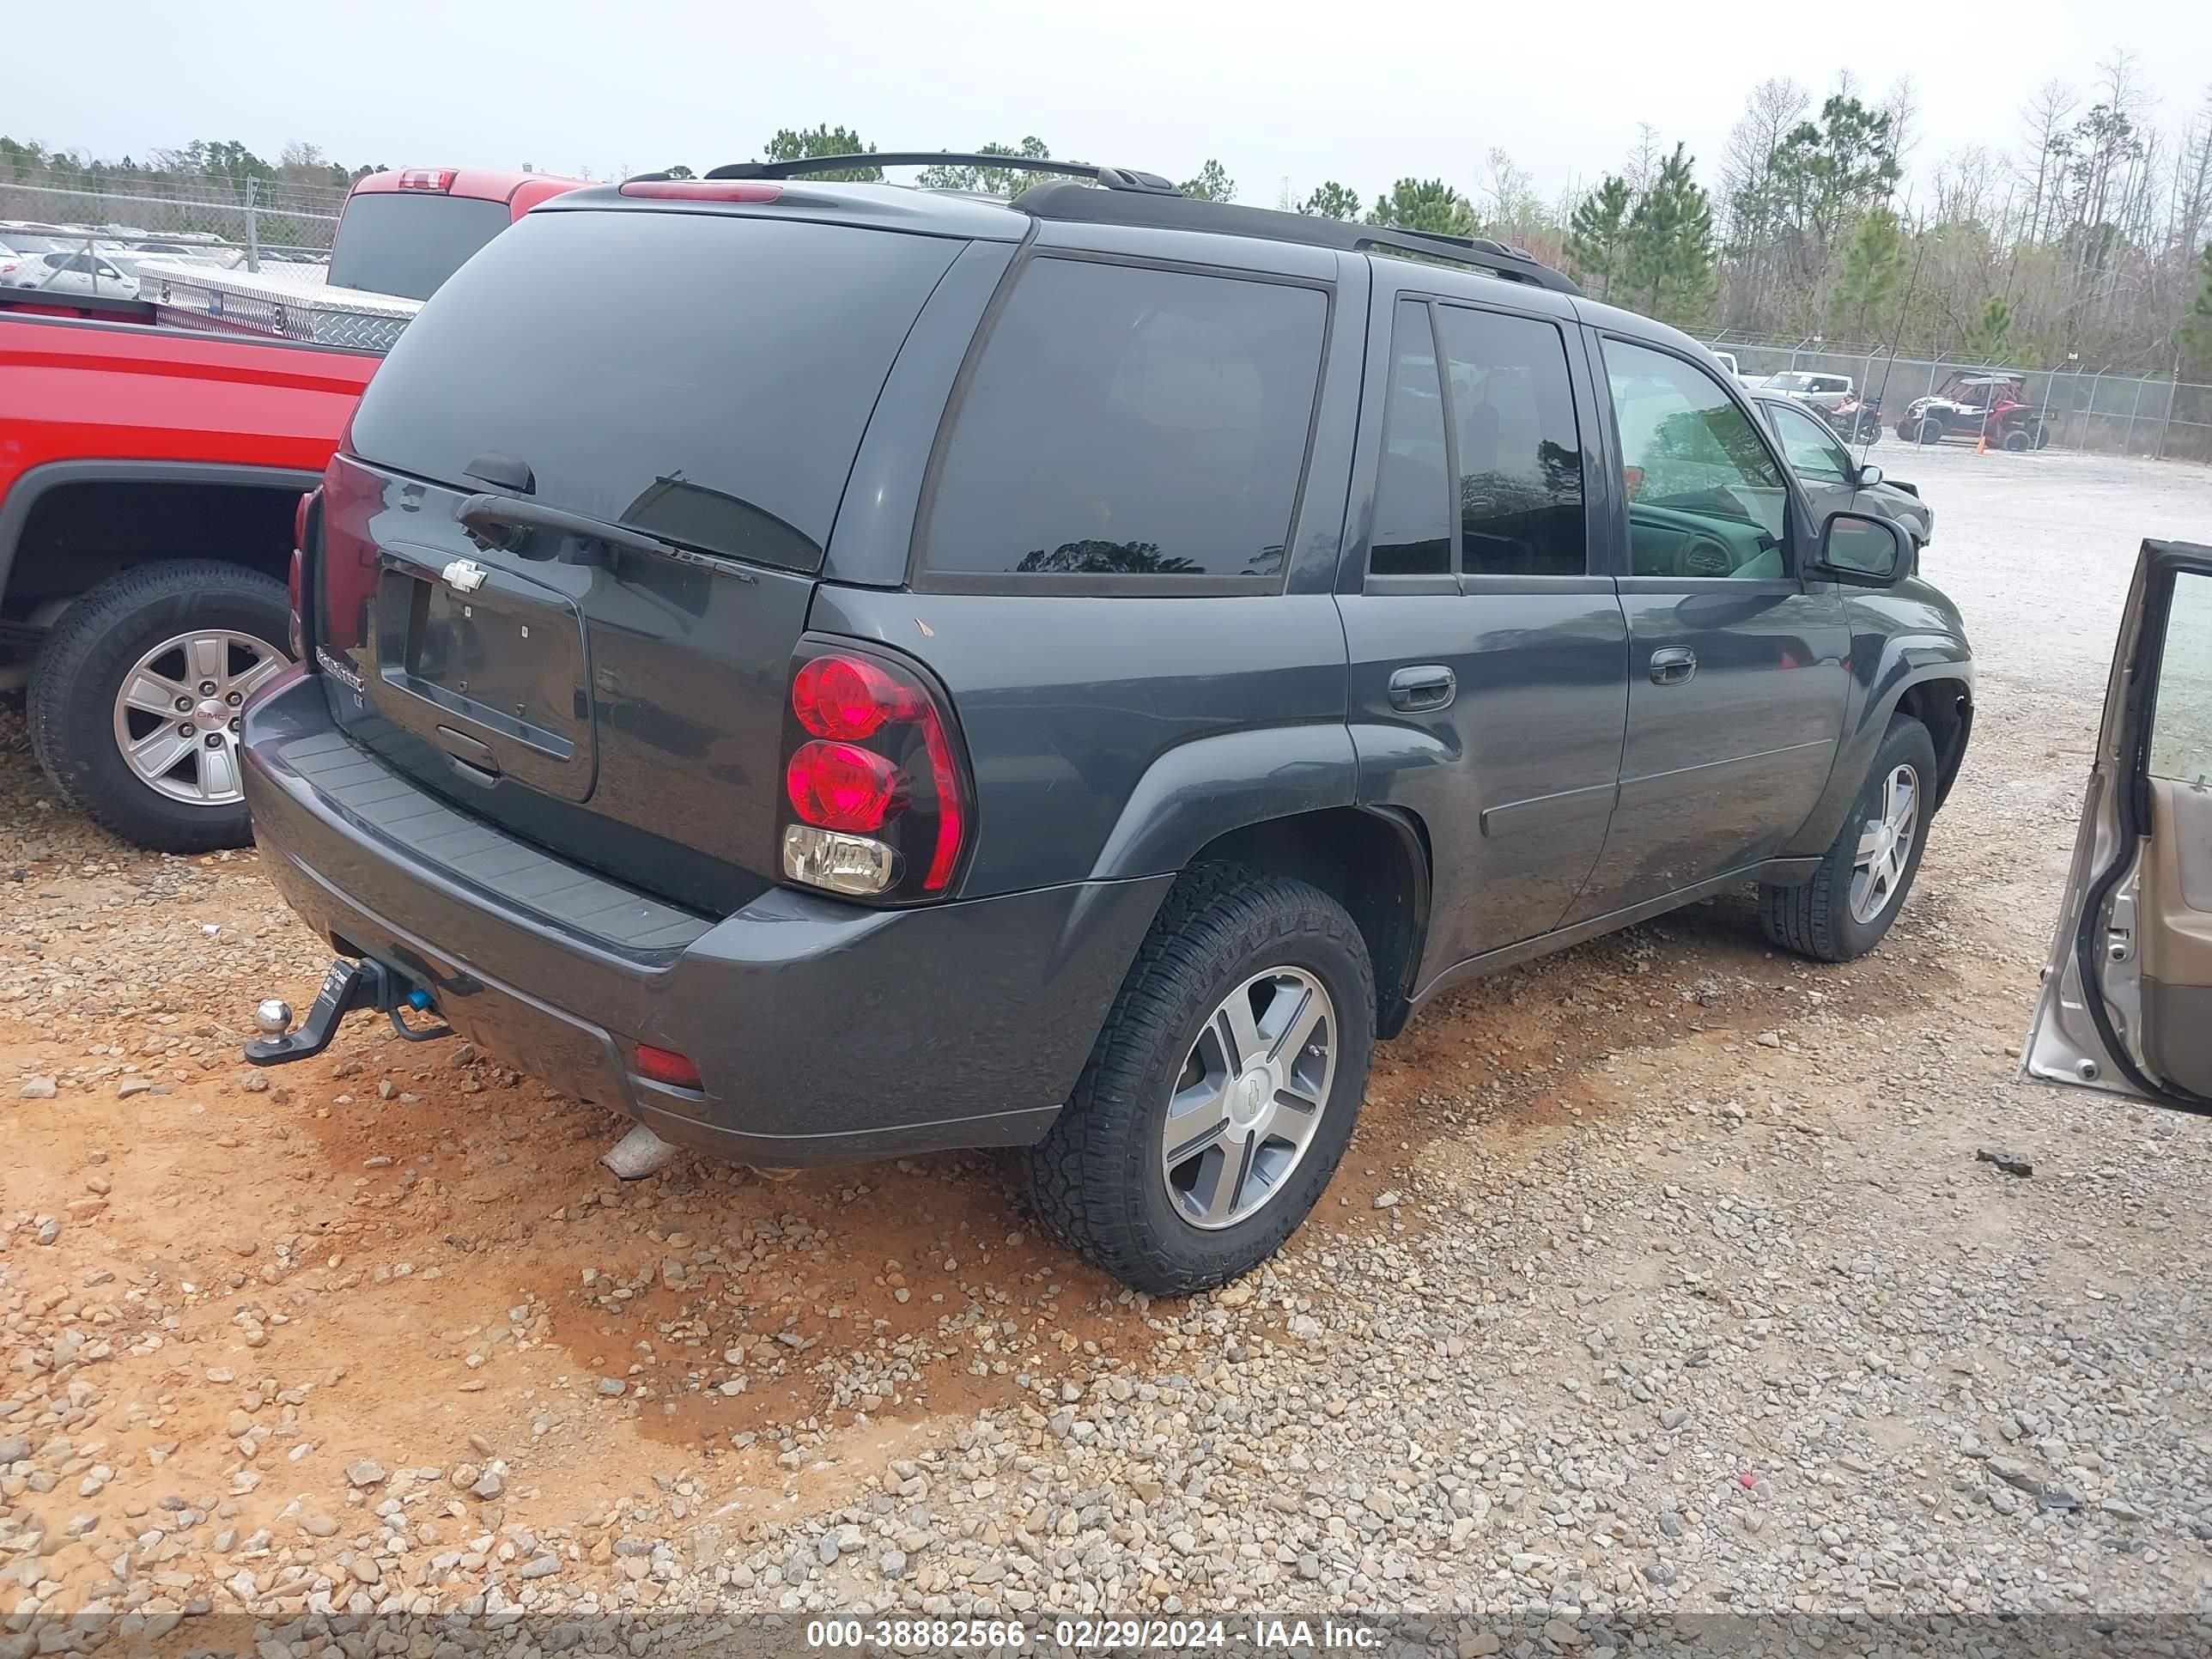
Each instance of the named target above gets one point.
<point>1886,845</point>
<point>1249,1097</point>
<point>176,713</point>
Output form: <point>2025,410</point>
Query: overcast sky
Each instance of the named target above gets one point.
<point>1361,92</point>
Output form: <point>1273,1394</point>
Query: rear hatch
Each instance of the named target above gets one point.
<point>570,546</point>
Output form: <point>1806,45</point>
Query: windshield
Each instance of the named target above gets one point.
<point>703,377</point>
<point>408,242</point>
<point>1789,382</point>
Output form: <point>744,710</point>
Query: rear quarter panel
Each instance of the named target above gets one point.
<point>1069,702</point>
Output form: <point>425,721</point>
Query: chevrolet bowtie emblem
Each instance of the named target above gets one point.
<point>464,576</point>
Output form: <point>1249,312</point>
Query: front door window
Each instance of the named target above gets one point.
<point>1706,495</point>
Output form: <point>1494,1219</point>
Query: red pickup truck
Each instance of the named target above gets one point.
<point>148,480</point>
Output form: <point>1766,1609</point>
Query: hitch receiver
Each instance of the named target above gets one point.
<point>347,984</point>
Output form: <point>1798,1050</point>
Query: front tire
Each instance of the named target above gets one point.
<point>1855,895</point>
<point>1930,431</point>
<point>1223,1089</point>
<point>135,698</point>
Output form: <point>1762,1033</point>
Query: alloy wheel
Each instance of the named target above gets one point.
<point>1249,1097</point>
<point>1886,845</point>
<point>177,712</point>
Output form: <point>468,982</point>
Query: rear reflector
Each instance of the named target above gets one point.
<point>427,178</point>
<point>703,189</point>
<point>666,1065</point>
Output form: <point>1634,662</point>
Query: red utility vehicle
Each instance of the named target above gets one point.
<point>149,478</point>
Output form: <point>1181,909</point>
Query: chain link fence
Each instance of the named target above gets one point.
<point>281,223</point>
<point>2092,410</point>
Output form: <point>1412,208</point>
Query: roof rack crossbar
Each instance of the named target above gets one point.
<point>1128,179</point>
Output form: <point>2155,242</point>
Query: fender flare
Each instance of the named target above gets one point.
<point>35,483</point>
<point>1203,789</point>
<point>1906,661</point>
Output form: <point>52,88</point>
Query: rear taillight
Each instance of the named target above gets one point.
<point>702,190</point>
<point>427,178</point>
<point>876,799</point>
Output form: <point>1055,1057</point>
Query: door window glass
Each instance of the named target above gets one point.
<point>1124,421</point>
<point>2181,725</point>
<point>1412,485</point>
<point>1811,447</point>
<point>1520,454</point>
<point>1705,497</point>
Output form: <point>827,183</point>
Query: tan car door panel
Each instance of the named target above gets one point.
<point>2175,905</point>
<point>2126,1004</point>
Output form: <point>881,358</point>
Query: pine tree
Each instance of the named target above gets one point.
<point>1213,184</point>
<point>1984,343</point>
<point>790,145</point>
<point>1874,267</point>
<point>1668,270</point>
<point>1595,234</point>
<point>1331,200</point>
<point>1424,204</point>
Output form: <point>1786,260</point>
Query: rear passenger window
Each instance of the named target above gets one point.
<point>1413,534</point>
<point>1129,421</point>
<point>1520,453</point>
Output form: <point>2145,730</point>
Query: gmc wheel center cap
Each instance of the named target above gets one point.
<point>210,714</point>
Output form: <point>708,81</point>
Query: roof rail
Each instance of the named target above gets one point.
<point>1122,179</point>
<point>1181,212</point>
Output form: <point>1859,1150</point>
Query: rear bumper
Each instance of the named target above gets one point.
<point>824,1032</point>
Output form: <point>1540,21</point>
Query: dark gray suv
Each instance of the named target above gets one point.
<point>838,671</point>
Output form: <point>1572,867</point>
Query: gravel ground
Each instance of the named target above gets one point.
<point>1665,1277</point>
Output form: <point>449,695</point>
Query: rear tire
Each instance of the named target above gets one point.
<point>1104,1179</point>
<point>2018,442</point>
<point>79,732</point>
<point>1832,917</point>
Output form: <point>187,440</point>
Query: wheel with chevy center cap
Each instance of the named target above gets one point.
<point>1223,1089</point>
<point>136,697</point>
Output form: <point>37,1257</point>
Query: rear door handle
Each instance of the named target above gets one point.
<point>1673,665</point>
<point>1425,689</point>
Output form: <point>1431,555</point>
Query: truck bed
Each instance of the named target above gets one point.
<point>84,378</point>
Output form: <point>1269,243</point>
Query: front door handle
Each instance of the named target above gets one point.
<point>1423,690</point>
<point>1673,665</point>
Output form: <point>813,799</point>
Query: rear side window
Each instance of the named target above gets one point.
<point>704,377</point>
<point>1413,534</point>
<point>1124,421</point>
<point>1520,453</point>
<point>408,242</point>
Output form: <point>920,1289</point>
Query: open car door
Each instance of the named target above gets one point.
<point>2127,997</point>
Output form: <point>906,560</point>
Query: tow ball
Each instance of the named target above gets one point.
<point>347,985</point>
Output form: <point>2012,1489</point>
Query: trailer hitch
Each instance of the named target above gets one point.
<point>347,984</point>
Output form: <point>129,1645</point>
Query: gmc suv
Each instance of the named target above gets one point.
<point>837,671</point>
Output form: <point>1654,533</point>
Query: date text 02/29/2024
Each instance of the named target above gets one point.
<point>1086,1635</point>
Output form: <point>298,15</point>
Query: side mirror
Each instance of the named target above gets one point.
<point>1862,552</point>
<point>1869,474</point>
